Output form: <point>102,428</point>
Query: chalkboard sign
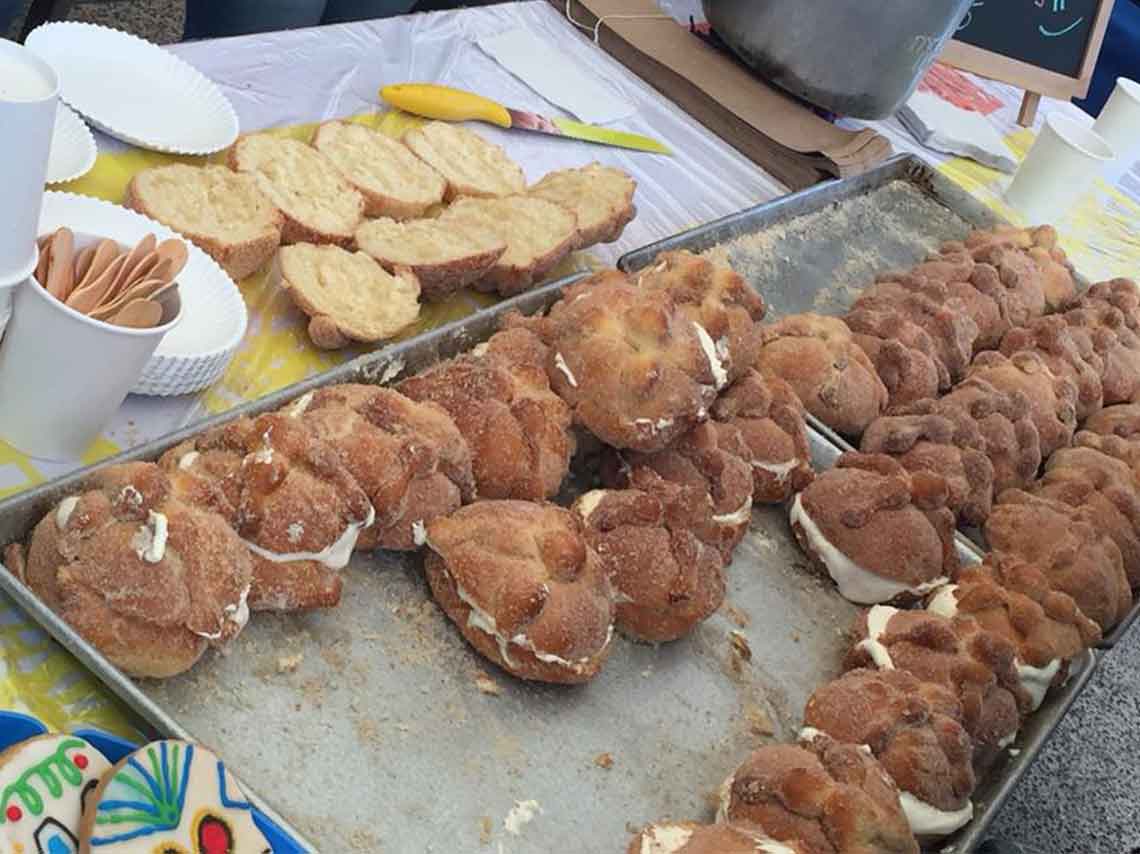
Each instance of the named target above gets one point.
<point>1051,34</point>
<point>1046,47</point>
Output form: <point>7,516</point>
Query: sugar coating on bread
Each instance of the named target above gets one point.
<point>318,204</point>
<point>471,165</point>
<point>394,182</point>
<point>538,235</point>
<point>347,295</point>
<point>444,256</point>
<point>600,196</point>
<point>222,212</point>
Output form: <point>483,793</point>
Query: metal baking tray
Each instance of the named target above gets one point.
<point>816,249</point>
<point>369,727</point>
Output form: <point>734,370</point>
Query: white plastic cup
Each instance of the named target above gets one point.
<point>63,375</point>
<point>1060,167</point>
<point>29,94</point>
<point>1119,124</point>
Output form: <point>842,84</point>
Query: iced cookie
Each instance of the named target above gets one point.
<point>45,783</point>
<point>170,797</point>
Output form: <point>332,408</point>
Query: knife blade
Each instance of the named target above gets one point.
<point>433,101</point>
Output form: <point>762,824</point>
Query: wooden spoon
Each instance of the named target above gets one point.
<point>143,248</point>
<point>138,314</point>
<point>83,263</point>
<point>89,296</point>
<point>176,253</point>
<point>43,265</point>
<point>61,270</point>
<point>141,290</point>
<point>105,252</point>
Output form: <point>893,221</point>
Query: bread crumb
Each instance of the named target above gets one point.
<point>487,685</point>
<point>758,721</point>
<point>486,830</point>
<point>604,760</point>
<point>289,663</point>
<point>740,618</point>
<point>740,646</point>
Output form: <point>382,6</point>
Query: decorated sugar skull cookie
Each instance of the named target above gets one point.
<point>45,783</point>
<point>170,797</point>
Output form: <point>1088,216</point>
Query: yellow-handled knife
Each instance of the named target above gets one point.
<point>454,105</point>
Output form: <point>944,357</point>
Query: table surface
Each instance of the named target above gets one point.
<point>305,76</point>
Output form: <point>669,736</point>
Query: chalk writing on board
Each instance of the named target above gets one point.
<point>1050,34</point>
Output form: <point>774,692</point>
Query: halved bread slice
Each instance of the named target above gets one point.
<point>538,235</point>
<point>471,165</point>
<point>318,204</point>
<point>444,256</point>
<point>347,295</point>
<point>394,182</point>
<point>601,196</point>
<point>221,212</point>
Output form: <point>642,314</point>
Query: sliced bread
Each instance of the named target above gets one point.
<point>318,204</point>
<point>601,196</point>
<point>444,256</point>
<point>471,165</point>
<point>394,182</point>
<point>221,212</point>
<point>347,295</point>
<point>538,235</point>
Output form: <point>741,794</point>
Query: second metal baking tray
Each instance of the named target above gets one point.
<point>374,727</point>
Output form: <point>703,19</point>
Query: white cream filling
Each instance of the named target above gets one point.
<point>479,619</point>
<point>187,460</point>
<point>720,375</point>
<point>780,470</point>
<point>665,839</point>
<point>299,406</point>
<point>809,734</point>
<point>1003,743</point>
<point>1036,680</point>
<point>738,516</point>
<point>262,455</point>
<point>856,584</point>
<point>926,820</point>
<point>131,496</point>
<point>654,426</point>
<point>480,350</point>
<point>238,614</point>
<point>294,532</point>
<point>945,602</point>
<point>589,502</point>
<point>64,511</point>
<point>334,556</point>
<point>419,532</point>
<point>149,541</point>
<point>877,619</point>
<point>560,363</point>
<point>722,348</point>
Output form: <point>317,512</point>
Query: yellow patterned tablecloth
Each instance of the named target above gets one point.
<point>707,179</point>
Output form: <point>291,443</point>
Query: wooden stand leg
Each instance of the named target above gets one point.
<point>1028,113</point>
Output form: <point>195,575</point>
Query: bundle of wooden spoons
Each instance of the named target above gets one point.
<point>134,287</point>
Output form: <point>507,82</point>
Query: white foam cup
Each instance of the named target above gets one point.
<point>29,93</point>
<point>1060,166</point>
<point>64,375</point>
<point>1119,124</point>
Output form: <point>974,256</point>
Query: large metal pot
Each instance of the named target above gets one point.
<point>847,56</point>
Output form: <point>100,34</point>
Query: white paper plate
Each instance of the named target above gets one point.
<point>73,148</point>
<point>194,354</point>
<point>135,90</point>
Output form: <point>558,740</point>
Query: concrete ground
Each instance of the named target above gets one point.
<point>157,20</point>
